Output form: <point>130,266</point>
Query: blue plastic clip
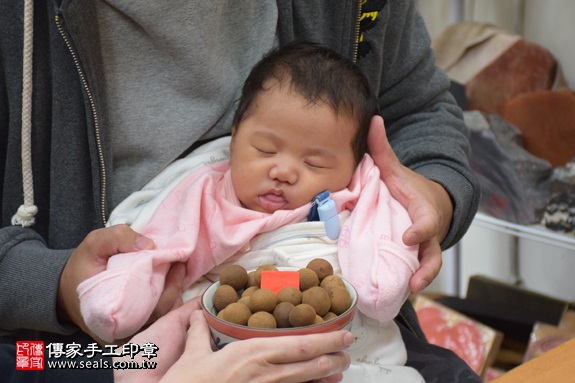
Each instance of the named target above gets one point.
<point>325,209</point>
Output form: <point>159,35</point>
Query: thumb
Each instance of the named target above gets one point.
<point>380,149</point>
<point>112,240</point>
<point>171,296</point>
<point>199,341</point>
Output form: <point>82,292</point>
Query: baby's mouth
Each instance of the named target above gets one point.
<point>272,201</point>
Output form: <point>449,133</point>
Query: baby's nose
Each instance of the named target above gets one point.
<point>284,172</point>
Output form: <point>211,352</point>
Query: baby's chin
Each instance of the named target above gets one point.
<point>255,207</point>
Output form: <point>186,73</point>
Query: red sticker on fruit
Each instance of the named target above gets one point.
<point>277,280</point>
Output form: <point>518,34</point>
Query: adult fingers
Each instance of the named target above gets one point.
<point>326,368</point>
<point>305,347</point>
<point>199,340</point>
<point>115,239</point>
<point>428,203</point>
<point>280,360</point>
<point>328,379</point>
<point>177,318</point>
<point>380,150</point>
<point>169,335</point>
<point>332,379</point>
<point>171,297</point>
<point>301,361</point>
<point>171,329</point>
<point>425,225</point>
<point>430,261</point>
<point>405,185</point>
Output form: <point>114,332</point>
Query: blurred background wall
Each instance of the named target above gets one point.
<point>544,267</point>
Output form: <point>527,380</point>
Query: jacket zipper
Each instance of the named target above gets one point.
<point>94,117</point>
<point>357,31</point>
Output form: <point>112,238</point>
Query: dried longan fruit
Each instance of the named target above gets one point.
<point>302,315</point>
<point>252,279</point>
<point>329,316</point>
<point>318,298</point>
<point>247,292</point>
<point>263,300</point>
<point>235,276</point>
<point>340,299</point>
<point>262,319</point>
<point>318,320</point>
<point>289,294</point>
<point>321,267</point>
<point>245,301</point>
<point>258,273</point>
<point>236,313</point>
<point>307,278</point>
<point>332,280</point>
<point>281,314</point>
<point>223,296</point>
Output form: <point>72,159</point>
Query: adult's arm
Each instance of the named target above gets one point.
<point>29,279</point>
<point>40,283</point>
<point>423,123</point>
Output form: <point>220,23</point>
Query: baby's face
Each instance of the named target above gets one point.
<point>287,151</point>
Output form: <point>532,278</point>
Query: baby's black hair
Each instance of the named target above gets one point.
<point>320,75</point>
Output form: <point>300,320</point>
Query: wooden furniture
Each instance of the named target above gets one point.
<point>556,365</point>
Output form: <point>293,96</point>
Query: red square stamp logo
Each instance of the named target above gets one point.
<point>29,355</point>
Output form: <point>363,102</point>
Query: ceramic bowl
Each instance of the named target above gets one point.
<point>225,332</point>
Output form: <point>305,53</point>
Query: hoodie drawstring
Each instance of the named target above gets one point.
<point>27,211</point>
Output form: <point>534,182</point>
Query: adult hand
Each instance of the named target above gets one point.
<point>282,359</point>
<point>168,333</point>
<point>91,258</point>
<point>427,203</point>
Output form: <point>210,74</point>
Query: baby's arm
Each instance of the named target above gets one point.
<point>118,301</point>
<point>371,251</point>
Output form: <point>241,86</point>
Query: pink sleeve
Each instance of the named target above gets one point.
<point>118,301</point>
<point>371,252</point>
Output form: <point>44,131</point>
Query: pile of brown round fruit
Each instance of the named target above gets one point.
<point>321,296</point>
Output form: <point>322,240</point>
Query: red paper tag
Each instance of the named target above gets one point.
<point>277,280</point>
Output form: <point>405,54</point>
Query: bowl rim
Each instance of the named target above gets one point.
<point>245,332</point>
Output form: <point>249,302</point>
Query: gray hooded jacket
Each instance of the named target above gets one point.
<point>70,152</point>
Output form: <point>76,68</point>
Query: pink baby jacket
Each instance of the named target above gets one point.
<point>202,223</point>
